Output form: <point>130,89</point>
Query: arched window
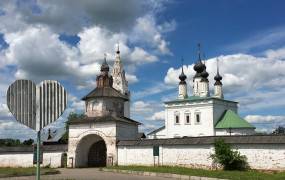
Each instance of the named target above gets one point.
<point>197,118</point>
<point>187,117</point>
<point>176,118</point>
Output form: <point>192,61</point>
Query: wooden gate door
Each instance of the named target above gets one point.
<point>97,154</point>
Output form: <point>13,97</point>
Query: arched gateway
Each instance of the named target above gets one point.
<point>91,151</point>
<point>92,139</point>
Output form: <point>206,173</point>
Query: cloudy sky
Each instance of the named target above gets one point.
<point>65,40</point>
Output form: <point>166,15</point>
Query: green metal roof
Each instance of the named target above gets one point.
<point>196,98</point>
<point>231,120</point>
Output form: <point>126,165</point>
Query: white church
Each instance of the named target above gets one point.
<point>201,114</point>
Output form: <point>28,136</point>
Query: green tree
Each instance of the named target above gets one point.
<point>279,130</point>
<point>227,157</point>
<point>10,142</point>
<point>28,142</point>
<point>71,116</point>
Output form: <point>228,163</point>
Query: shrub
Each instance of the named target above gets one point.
<point>227,157</point>
<point>10,142</point>
<point>28,142</point>
<point>15,142</point>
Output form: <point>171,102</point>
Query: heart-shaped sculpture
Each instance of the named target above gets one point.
<point>36,106</point>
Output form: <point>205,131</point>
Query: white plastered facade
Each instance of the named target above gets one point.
<point>82,136</point>
<point>208,110</point>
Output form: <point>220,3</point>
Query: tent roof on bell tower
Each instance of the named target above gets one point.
<point>105,92</point>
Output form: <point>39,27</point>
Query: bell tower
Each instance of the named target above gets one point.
<point>119,81</point>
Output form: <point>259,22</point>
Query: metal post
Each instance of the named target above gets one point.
<point>38,154</point>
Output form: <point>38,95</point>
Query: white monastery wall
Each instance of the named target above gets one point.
<point>264,156</point>
<point>16,159</point>
<point>186,155</point>
<point>260,156</point>
<point>25,159</point>
<point>169,155</point>
<point>135,155</point>
<point>52,159</point>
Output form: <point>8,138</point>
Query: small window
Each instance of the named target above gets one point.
<point>176,118</point>
<point>198,118</point>
<point>187,118</point>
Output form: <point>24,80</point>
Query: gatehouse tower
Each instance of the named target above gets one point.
<point>93,138</point>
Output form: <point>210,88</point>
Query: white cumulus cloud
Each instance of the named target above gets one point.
<point>157,116</point>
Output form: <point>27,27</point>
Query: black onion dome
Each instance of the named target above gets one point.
<point>204,74</point>
<point>218,77</point>
<point>182,76</point>
<point>199,66</point>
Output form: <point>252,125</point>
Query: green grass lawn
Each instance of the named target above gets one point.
<point>240,175</point>
<point>10,172</point>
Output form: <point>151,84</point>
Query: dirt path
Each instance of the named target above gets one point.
<point>89,174</point>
